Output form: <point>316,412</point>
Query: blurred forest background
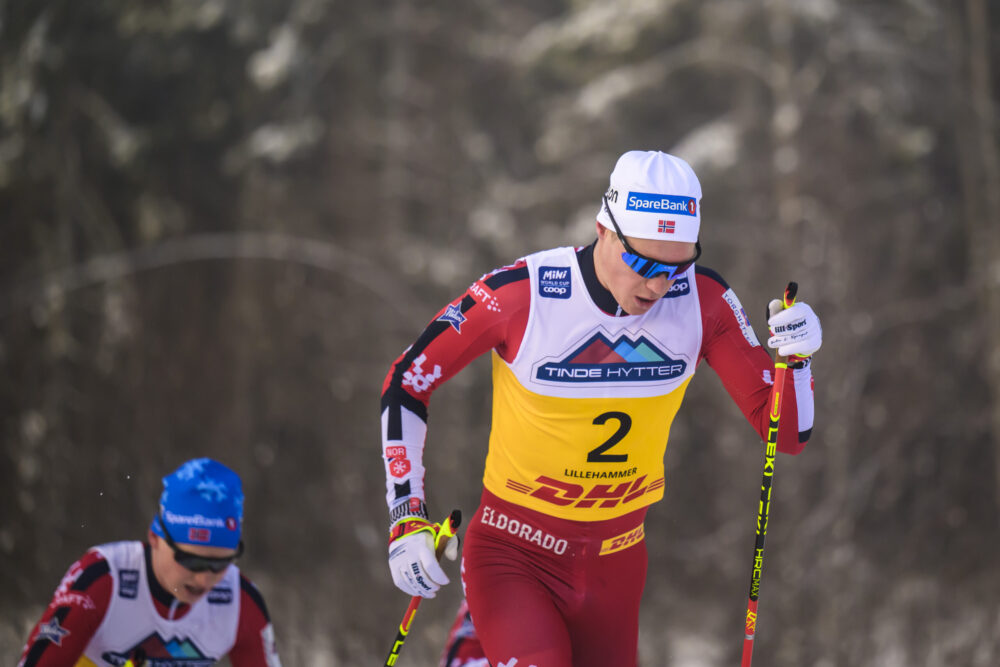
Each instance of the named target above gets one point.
<point>221,220</point>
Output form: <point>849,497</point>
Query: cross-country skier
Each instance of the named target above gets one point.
<point>592,350</point>
<point>176,599</point>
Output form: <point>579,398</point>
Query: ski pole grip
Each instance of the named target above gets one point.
<point>449,528</point>
<point>787,301</point>
<point>790,291</point>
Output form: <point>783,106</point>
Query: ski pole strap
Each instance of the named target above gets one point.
<point>442,532</point>
<point>410,526</point>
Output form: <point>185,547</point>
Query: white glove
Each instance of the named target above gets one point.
<point>413,563</point>
<point>795,331</point>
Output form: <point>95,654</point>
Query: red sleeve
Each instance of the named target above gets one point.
<point>731,348</point>
<point>492,314</point>
<point>73,615</point>
<point>255,645</point>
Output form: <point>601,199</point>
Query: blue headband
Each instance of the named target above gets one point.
<point>202,504</point>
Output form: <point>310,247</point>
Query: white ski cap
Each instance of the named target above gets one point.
<point>653,195</point>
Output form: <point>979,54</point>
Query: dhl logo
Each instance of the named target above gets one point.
<point>598,495</point>
<point>623,541</point>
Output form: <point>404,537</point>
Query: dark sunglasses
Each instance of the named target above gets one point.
<point>194,562</point>
<point>647,267</point>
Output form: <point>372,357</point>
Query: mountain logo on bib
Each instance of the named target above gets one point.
<point>622,360</point>
<point>160,653</point>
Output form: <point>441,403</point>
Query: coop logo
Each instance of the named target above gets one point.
<point>622,360</point>
<point>681,287</point>
<point>157,652</point>
<point>220,595</point>
<point>554,282</point>
<point>645,202</point>
<point>128,584</point>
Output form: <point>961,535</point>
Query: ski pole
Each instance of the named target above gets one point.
<point>445,531</point>
<point>777,390</point>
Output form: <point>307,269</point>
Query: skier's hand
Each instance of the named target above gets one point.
<point>795,331</point>
<point>412,559</point>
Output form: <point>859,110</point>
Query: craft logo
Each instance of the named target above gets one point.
<point>453,316</point>
<point>484,297</point>
<point>645,202</point>
<point>161,653</point>
<point>622,360</point>
<point>554,282</point>
<point>63,599</point>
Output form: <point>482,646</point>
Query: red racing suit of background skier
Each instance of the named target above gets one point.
<point>80,611</point>
<point>584,395</point>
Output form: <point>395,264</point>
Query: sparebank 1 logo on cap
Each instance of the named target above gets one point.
<point>601,359</point>
<point>645,202</point>
<point>554,282</point>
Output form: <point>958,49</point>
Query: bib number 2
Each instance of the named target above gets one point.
<point>597,455</point>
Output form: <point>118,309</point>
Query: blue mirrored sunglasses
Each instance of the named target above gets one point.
<point>647,267</point>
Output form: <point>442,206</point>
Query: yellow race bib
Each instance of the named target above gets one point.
<point>585,459</point>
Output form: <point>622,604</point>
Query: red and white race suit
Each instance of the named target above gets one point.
<point>109,608</point>
<point>583,399</point>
